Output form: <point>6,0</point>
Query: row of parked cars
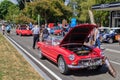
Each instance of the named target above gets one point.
<point>70,52</point>
<point>24,30</point>
<point>109,35</point>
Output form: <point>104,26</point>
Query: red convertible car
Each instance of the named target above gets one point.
<point>70,52</point>
<point>23,30</point>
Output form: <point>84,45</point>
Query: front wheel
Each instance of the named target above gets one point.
<point>62,65</point>
<point>110,41</point>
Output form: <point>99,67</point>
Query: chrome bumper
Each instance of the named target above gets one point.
<point>87,63</point>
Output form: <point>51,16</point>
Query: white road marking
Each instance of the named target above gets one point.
<point>115,62</point>
<point>51,72</point>
<point>116,51</point>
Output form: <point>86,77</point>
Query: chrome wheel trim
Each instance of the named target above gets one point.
<point>40,54</point>
<point>111,41</point>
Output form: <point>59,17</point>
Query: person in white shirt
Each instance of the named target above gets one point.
<point>36,33</point>
<point>3,29</point>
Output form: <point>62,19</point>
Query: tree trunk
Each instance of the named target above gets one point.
<point>91,17</point>
<point>46,18</point>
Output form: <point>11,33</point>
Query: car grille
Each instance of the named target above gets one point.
<point>90,62</point>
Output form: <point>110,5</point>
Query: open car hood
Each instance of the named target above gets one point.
<point>78,34</point>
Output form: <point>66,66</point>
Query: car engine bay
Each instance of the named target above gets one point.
<point>81,50</point>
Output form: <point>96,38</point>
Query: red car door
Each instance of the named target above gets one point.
<point>53,52</point>
<point>49,51</point>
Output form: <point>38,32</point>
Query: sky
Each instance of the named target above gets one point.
<point>14,1</point>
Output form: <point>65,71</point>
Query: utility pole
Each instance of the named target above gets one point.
<point>25,3</point>
<point>67,2</point>
<point>39,19</point>
<point>74,8</point>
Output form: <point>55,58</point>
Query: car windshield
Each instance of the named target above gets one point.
<point>57,28</point>
<point>23,28</point>
<point>116,30</point>
<point>104,30</point>
<point>53,40</point>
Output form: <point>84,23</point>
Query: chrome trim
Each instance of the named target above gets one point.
<point>87,63</point>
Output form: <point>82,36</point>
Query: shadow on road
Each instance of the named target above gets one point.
<point>86,72</point>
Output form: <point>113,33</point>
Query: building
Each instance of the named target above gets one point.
<point>114,9</point>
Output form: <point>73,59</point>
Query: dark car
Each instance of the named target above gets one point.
<point>110,35</point>
<point>104,31</point>
<point>116,32</point>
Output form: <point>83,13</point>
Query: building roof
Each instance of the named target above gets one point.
<point>109,6</point>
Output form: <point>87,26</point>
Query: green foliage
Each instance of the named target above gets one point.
<point>13,11</point>
<point>49,9</point>
<point>4,5</point>
<point>53,11</point>
<point>21,18</point>
<point>100,16</point>
<point>22,3</point>
<point>84,6</point>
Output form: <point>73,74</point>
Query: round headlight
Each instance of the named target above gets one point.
<point>72,57</point>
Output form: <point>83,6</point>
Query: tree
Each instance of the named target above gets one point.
<point>101,17</point>
<point>22,3</point>
<point>21,18</point>
<point>48,9</point>
<point>13,12</point>
<point>84,7</point>
<point>4,5</point>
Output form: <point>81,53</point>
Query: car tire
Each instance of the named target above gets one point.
<point>40,54</point>
<point>62,66</point>
<point>99,67</point>
<point>110,41</point>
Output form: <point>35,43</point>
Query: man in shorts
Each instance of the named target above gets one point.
<point>8,29</point>
<point>3,29</point>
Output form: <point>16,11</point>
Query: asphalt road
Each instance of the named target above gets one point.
<point>112,51</point>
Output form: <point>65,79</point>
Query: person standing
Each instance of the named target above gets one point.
<point>3,29</point>
<point>44,33</point>
<point>36,32</point>
<point>97,37</point>
<point>8,28</point>
<point>30,26</point>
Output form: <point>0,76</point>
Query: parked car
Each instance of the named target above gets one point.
<point>56,30</point>
<point>23,30</point>
<point>70,52</point>
<point>104,32</point>
<point>111,35</point>
<point>116,33</point>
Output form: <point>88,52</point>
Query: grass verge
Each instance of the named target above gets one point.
<point>13,66</point>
